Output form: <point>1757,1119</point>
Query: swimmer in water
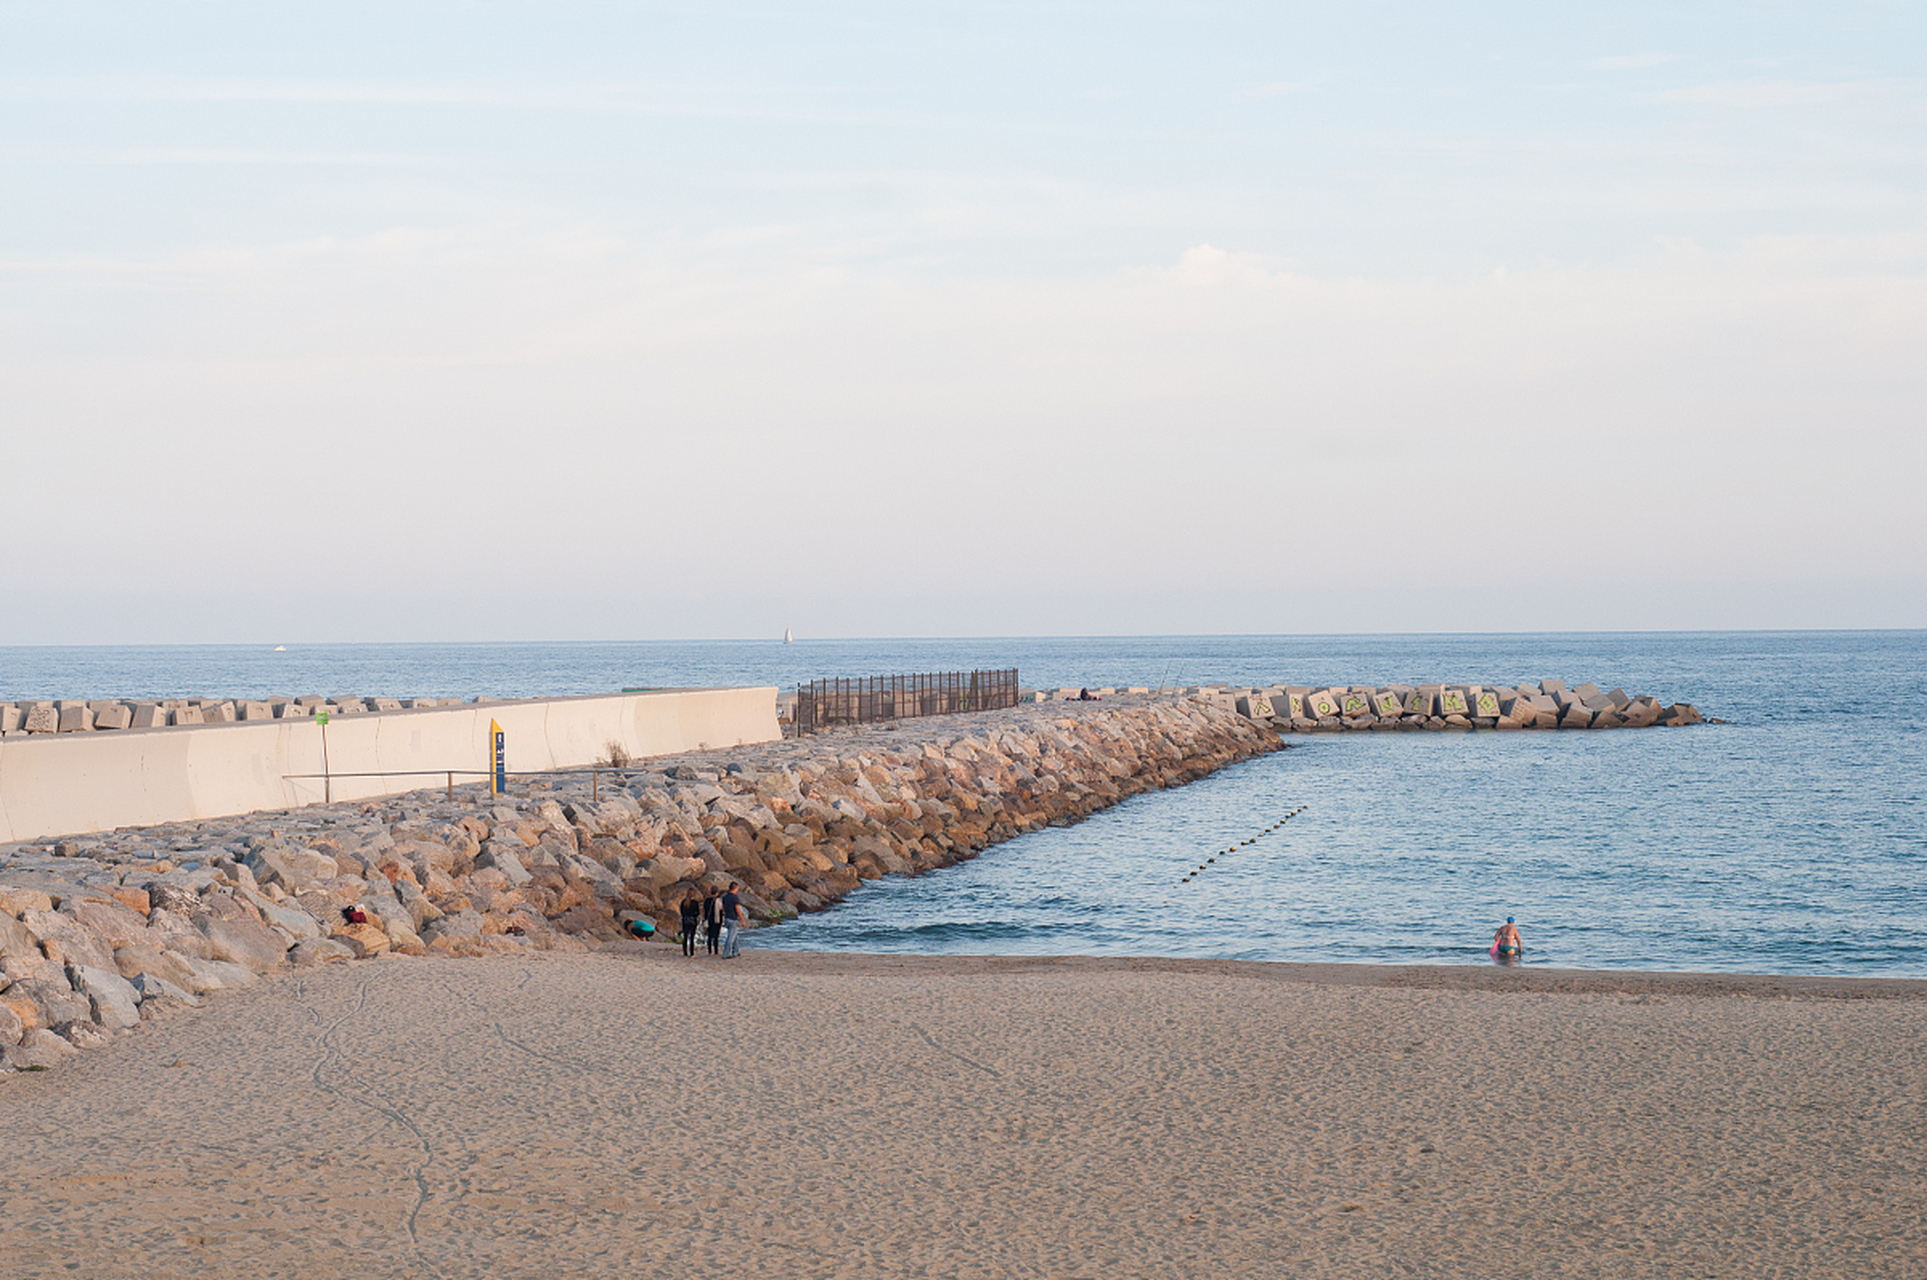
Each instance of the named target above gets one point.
<point>1506,941</point>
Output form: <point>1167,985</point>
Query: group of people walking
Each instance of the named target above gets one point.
<point>718,918</point>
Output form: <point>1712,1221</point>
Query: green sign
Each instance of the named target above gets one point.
<point>321,717</point>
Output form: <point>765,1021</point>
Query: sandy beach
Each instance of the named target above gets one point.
<point>630,1113</point>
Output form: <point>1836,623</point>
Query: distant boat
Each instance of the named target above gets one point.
<point>787,637</point>
<point>281,648</point>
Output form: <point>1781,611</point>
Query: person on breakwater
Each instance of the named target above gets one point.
<point>734,918</point>
<point>690,912</point>
<point>1506,944</point>
<point>713,921</point>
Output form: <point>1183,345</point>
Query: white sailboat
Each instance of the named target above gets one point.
<point>787,637</point>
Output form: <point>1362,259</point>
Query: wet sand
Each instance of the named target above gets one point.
<point>789,1114</point>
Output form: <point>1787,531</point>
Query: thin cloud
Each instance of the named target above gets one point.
<point>1278,88</point>
<point>1780,94</point>
<point>1632,61</point>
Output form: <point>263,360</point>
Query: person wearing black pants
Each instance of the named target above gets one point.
<point>713,921</point>
<point>692,914</point>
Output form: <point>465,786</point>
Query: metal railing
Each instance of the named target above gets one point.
<point>594,773</point>
<point>823,703</point>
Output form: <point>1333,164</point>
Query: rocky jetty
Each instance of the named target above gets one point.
<point>98,932</point>
<point>1549,704</point>
<point>70,715</point>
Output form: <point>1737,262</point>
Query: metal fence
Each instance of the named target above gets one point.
<point>822,703</point>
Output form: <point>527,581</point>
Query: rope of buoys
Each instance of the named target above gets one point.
<point>1193,875</point>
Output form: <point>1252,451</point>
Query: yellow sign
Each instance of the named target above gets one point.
<point>498,775</point>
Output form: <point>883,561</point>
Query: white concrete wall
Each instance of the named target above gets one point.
<point>70,783</point>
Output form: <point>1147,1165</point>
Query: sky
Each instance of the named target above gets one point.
<point>496,321</point>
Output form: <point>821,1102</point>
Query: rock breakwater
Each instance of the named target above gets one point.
<point>1548,704</point>
<point>99,932</point>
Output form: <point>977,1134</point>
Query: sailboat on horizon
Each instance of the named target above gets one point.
<point>787,637</point>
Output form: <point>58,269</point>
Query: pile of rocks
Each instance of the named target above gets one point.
<point>73,716</point>
<point>98,932</point>
<point>1548,704</point>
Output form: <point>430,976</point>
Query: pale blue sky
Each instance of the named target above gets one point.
<point>959,319</point>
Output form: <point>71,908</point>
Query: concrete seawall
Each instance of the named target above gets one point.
<point>72,783</point>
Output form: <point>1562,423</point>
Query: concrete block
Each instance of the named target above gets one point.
<point>1253,707</point>
<point>9,717</point>
<point>252,710</point>
<point>1138,688</point>
<point>1619,699</point>
<point>1576,717</point>
<point>384,704</point>
<point>311,700</point>
<point>1321,705</point>
<point>1607,719</point>
<point>188,714</point>
<point>295,711</point>
<point>1355,703</point>
<point>1485,704</point>
<point>113,716</point>
<point>1453,702</point>
<point>1552,688</point>
<point>1421,702</point>
<point>149,716</point>
<point>1386,702</point>
<point>76,718</point>
<point>1640,713</point>
<point>1588,691</point>
<point>41,717</point>
<point>218,712</point>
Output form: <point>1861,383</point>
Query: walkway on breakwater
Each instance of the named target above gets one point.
<point>98,932</point>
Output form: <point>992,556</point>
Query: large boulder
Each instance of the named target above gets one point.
<point>66,941</point>
<point>294,869</point>
<point>364,940</point>
<point>314,951</point>
<point>498,856</point>
<point>462,924</point>
<point>151,988</point>
<point>112,999</point>
<point>59,1003</point>
<point>243,942</point>
<point>214,975</point>
<point>113,923</point>
<point>16,939</point>
<point>38,1050</point>
<point>285,918</point>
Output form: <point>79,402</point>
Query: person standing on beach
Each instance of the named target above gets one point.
<point>734,918</point>
<point>713,921</point>
<point>691,911</point>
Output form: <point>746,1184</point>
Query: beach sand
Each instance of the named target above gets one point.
<point>785,1114</point>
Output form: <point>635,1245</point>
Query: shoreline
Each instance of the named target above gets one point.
<point>1468,977</point>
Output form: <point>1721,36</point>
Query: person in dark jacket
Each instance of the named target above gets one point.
<point>691,912</point>
<point>713,921</point>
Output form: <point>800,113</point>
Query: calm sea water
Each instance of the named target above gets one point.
<point>1793,840</point>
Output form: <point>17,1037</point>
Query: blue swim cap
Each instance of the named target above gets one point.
<point>1508,919</point>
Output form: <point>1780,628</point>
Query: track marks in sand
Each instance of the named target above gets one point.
<point>349,1088</point>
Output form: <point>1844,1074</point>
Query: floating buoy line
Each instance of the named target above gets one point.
<point>1193,875</point>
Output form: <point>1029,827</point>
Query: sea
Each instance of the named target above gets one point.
<point>1789,839</point>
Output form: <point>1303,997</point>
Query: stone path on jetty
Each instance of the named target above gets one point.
<point>100,932</point>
